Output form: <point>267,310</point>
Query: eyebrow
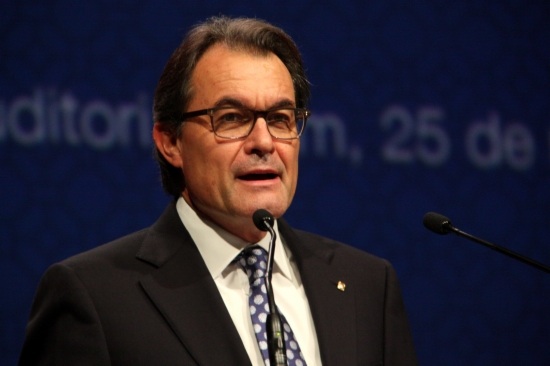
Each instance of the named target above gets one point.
<point>229,101</point>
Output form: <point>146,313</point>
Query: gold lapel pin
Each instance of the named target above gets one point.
<point>341,286</point>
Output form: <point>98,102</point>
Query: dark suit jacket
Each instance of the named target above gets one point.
<point>148,299</point>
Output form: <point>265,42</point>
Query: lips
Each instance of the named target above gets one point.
<point>258,176</point>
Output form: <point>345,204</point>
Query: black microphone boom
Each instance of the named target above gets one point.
<point>263,220</point>
<point>442,225</point>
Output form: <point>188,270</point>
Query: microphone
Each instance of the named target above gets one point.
<point>440,224</point>
<point>264,220</point>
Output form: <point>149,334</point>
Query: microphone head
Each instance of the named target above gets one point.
<point>263,219</point>
<point>437,223</point>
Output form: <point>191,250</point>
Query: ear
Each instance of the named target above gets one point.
<point>167,145</point>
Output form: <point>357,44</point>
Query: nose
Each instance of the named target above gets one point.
<point>259,141</point>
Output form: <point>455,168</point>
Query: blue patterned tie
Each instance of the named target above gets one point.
<point>254,262</point>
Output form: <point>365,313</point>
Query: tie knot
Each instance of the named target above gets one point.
<point>254,262</point>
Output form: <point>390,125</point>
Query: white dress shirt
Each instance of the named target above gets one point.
<point>218,249</point>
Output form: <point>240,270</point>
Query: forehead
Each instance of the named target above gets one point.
<point>223,72</point>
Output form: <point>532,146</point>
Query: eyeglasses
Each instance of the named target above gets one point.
<point>238,122</point>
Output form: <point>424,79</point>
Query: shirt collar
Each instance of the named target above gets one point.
<point>219,248</point>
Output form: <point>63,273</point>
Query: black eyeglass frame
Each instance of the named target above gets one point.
<point>256,114</point>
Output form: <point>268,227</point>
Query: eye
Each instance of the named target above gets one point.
<point>231,116</point>
<point>281,119</point>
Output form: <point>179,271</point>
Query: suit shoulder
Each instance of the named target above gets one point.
<point>123,247</point>
<point>340,250</point>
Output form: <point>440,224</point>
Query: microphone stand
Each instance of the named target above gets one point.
<point>274,324</point>
<point>441,225</point>
<point>498,248</point>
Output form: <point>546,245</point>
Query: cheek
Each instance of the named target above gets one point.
<point>289,156</point>
<point>208,168</point>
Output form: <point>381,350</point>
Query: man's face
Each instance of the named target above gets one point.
<point>227,180</point>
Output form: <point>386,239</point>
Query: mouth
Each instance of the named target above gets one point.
<point>258,176</point>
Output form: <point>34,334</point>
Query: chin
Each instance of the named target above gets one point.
<point>275,202</point>
<point>277,210</point>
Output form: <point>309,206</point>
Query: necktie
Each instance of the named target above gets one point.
<point>254,262</point>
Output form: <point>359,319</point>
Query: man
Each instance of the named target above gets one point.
<point>229,108</point>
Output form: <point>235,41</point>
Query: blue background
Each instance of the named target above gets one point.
<point>417,106</point>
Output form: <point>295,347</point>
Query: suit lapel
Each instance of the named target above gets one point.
<point>183,291</point>
<point>333,310</point>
